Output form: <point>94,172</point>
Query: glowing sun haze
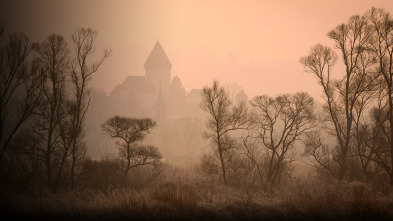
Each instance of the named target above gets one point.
<point>255,44</point>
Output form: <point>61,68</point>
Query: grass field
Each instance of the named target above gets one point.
<point>198,200</point>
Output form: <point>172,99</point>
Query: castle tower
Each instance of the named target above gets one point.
<point>160,107</point>
<point>158,69</point>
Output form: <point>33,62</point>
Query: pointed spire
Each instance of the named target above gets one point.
<point>241,96</point>
<point>157,59</point>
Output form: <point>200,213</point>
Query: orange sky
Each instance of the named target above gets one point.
<point>255,44</point>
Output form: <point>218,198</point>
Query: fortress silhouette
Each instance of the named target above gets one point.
<point>155,95</point>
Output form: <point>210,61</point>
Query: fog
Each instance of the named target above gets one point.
<point>255,44</point>
<point>185,110</point>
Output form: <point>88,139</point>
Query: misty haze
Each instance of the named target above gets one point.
<point>222,110</point>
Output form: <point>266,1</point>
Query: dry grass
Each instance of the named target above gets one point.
<point>304,200</point>
<point>178,194</point>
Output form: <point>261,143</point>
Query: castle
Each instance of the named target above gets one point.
<point>155,95</point>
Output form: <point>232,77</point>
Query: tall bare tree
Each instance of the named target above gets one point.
<point>381,23</point>
<point>222,120</point>
<point>19,88</point>
<point>352,40</point>
<point>130,132</point>
<point>52,56</point>
<point>83,41</point>
<point>343,96</point>
<point>320,62</point>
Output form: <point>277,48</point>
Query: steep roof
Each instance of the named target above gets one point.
<point>136,84</point>
<point>241,94</point>
<point>157,59</point>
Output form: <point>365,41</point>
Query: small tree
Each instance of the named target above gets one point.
<point>130,132</point>
<point>222,120</point>
<point>279,123</point>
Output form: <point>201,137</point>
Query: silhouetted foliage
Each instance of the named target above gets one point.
<point>130,132</point>
<point>41,123</point>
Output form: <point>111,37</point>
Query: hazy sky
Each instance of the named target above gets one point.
<point>256,44</point>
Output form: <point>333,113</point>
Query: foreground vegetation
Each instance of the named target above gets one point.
<point>183,194</point>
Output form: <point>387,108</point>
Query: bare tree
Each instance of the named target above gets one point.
<point>320,62</point>
<point>52,57</point>
<point>373,146</point>
<point>279,123</point>
<point>362,135</point>
<point>130,132</point>
<point>222,120</point>
<point>83,41</point>
<point>19,88</point>
<point>352,39</point>
<point>381,23</point>
<point>343,96</point>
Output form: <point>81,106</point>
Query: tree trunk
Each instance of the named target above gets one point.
<point>391,130</point>
<point>1,136</point>
<point>391,178</point>
<point>128,164</point>
<point>222,161</point>
<point>76,132</point>
<point>73,169</point>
